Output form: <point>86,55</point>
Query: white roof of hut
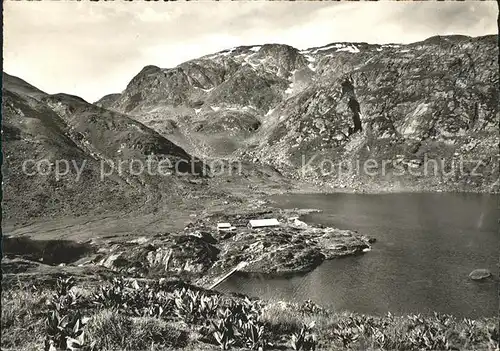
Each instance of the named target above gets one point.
<point>257,223</point>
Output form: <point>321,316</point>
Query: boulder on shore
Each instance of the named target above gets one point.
<point>479,274</point>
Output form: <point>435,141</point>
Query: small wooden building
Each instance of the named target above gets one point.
<point>225,227</point>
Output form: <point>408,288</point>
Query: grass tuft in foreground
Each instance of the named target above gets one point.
<point>125,314</point>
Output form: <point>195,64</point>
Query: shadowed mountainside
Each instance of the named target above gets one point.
<point>51,128</point>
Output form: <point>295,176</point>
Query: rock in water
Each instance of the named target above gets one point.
<point>479,274</point>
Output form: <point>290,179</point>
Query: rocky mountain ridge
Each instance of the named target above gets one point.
<point>337,104</point>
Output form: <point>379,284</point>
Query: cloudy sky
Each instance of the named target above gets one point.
<point>91,49</point>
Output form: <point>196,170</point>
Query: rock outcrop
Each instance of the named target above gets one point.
<point>202,253</point>
<point>479,274</point>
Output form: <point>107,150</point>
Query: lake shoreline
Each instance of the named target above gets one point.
<point>381,191</point>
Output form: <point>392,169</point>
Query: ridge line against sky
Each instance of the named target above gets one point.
<point>91,49</point>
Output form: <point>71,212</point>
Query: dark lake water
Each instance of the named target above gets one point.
<point>427,244</point>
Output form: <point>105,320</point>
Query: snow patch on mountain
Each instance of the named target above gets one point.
<point>310,58</point>
<point>337,46</point>
<point>350,48</point>
<point>311,61</point>
<point>250,62</point>
<point>207,90</point>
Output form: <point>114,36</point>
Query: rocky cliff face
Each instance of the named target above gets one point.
<point>330,107</point>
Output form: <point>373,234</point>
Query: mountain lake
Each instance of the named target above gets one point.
<point>427,244</point>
